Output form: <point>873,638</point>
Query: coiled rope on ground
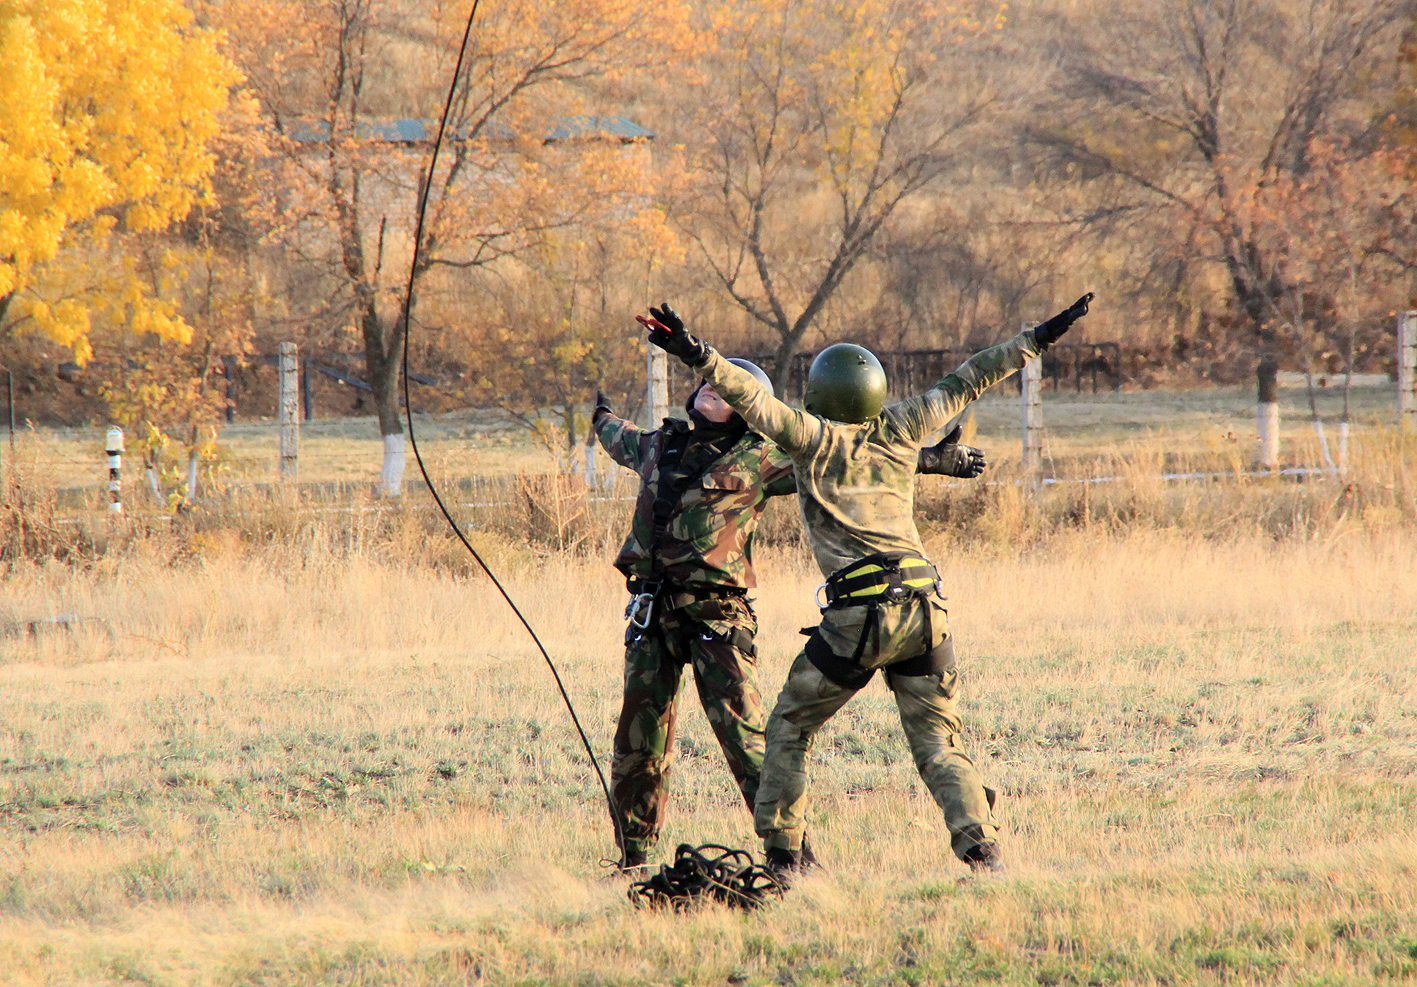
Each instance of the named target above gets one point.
<point>708,873</point>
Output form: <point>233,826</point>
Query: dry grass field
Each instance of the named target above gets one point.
<point>312,748</point>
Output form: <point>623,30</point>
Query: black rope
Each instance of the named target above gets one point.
<point>408,408</point>
<point>708,873</point>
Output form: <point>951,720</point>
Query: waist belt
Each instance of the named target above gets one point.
<point>646,592</point>
<point>886,577</point>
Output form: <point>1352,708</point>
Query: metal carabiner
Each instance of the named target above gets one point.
<point>642,604</point>
<point>818,597</point>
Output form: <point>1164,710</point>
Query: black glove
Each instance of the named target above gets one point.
<point>949,457</point>
<point>602,407</point>
<point>666,330</point>
<point>1048,333</point>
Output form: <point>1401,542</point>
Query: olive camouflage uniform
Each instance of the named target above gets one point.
<point>698,549</point>
<point>856,490</point>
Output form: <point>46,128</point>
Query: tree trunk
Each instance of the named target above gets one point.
<point>381,362</point>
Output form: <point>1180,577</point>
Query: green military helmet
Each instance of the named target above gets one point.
<point>755,370</point>
<point>846,383</point>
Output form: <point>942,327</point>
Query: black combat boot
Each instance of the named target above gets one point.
<point>984,858</point>
<point>633,861</point>
<point>783,864</point>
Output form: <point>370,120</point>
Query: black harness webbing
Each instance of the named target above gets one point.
<point>674,472</point>
<point>886,577</point>
<point>875,581</point>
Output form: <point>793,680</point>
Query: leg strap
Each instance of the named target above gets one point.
<point>845,672</point>
<point>939,660</point>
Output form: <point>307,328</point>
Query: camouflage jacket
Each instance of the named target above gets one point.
<point>856,483</point>
<point>708,541</point>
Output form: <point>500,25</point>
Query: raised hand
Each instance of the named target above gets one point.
<point>602,407</point>
<point>666,330</point>
<point>1048,333</point>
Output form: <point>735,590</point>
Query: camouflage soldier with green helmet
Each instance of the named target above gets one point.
<point>688,563</point>
<point>853,459</point>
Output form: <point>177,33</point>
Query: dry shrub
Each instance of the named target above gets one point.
<point>522,520</point>
<point>1146,487</point>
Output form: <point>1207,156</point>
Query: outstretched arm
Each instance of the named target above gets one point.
<point>917,417</point>
<point>620,438</point>
<point>791,430</point>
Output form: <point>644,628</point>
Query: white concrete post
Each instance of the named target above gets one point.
<point>1031,395</point>
<point>1407,367</point>
<point>1267,413</point>
<point>657,400</point>
<point>289,413</point>
<point>113,445</point>
<point>591,443</point>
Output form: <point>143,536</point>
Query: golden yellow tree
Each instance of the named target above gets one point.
<point>107,109</point>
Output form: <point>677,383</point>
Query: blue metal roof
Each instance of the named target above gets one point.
<point>411,131</point>
<point>589,126</point>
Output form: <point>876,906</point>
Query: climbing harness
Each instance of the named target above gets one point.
<point>886,577</point>
<point>883,579</point>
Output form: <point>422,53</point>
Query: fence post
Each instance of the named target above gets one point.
<point>1031,395</point>
<point>1407,367</point>
<point>1267,413</point>
<point>657,400</point>
<point>590,445</point>
<point>113,445</point>
<point>289,413</point>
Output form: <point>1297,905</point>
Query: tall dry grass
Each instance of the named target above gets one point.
<point>290,747</point>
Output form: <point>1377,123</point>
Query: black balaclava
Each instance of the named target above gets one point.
<point>707,430</point>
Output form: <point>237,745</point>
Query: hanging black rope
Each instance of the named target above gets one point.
<point>406,316</point>
<point>708,873</point>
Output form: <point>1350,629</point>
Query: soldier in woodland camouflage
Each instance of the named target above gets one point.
<point>688,565</point>
<point>854,460</point>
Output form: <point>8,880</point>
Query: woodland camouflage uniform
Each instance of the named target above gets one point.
<point>855,487</point>
<point>711,483</point>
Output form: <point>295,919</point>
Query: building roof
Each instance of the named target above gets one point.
<point>624,128</point>
<point>412,131</point>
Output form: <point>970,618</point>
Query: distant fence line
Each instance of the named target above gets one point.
<point>1079,367</point>
<point>909,372</point>
<point>1092,366</point>
<point>483,490</point>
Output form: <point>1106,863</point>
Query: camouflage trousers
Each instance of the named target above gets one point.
<point>910,637</point>
<point>715,637</point>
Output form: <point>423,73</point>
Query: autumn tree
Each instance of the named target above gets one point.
<point>344,70</point>
<point>1171,117</point>
<point>107,111</point>
<point>555,326</point>
<point>812,124</point>
<point>1339,241</point>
